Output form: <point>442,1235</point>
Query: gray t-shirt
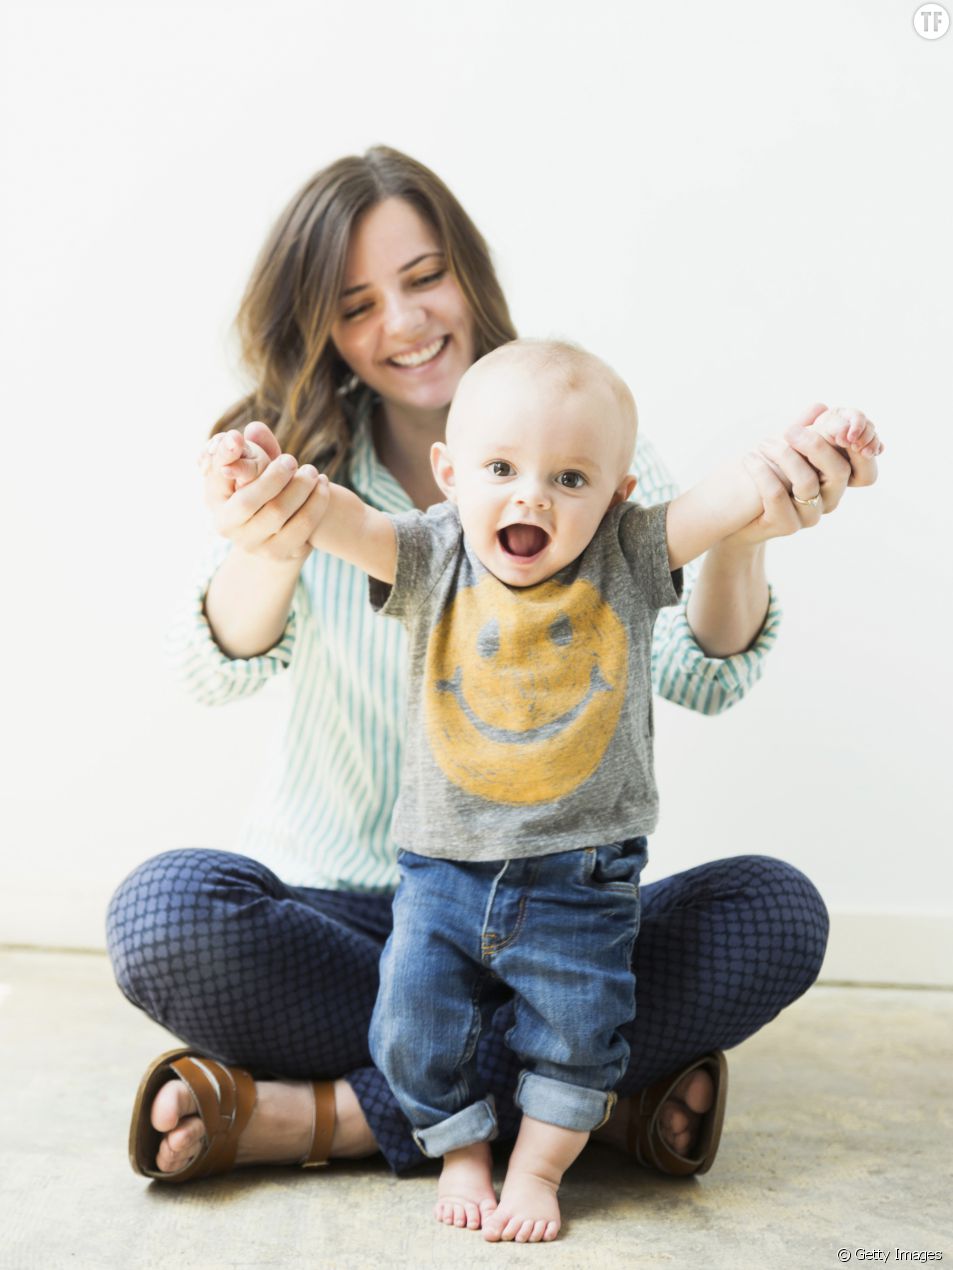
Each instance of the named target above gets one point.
<point>529,712</point>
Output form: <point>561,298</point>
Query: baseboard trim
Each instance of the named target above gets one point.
<point>913,950</point>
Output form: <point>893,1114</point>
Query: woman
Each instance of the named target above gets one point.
<point>369,300</point>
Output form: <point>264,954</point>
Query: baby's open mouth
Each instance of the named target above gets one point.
<point>523,540</point>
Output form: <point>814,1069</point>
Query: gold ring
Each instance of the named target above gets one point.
<point>808,502</point>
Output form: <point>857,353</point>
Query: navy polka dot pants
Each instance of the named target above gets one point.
<point>282,979</point>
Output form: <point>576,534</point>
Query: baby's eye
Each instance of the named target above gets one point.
<point>500,467</point>
<point>571,480</point>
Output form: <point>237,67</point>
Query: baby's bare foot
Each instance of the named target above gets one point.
<point>528,1211</point>
<point>465,1194</point>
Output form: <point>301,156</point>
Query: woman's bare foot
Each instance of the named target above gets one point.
<point>678,1120</point>
<point>279,1131</point>
<point>465,1194</point>
<point>528,1211</point>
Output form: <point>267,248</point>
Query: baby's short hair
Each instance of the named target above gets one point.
<point>568,367</point>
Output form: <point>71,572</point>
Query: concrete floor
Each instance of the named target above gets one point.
<point>837,1136</point>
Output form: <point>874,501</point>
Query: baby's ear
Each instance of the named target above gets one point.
<point>443,472</point>
<point>624,490</point>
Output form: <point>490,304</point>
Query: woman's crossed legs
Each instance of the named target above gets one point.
<point>282,980</point>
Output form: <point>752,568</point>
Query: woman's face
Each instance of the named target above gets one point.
<point>403,325</point>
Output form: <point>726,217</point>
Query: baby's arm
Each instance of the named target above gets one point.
<point>357,533</point>
<point>728,499</point>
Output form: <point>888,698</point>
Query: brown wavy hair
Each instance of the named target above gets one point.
<point>304,389</point>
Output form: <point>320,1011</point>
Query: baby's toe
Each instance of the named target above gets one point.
<point>552,1230</point>
<point>522,1235</point>
<point>492,1229</point>
<point>512,1228</point>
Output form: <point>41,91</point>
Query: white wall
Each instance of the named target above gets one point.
<point>744,208</point>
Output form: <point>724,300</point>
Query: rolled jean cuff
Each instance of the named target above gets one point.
<point>476,1123</point>
<point>557,1102</point>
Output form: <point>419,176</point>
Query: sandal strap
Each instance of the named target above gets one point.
<point>645,1139</point>
<point>323,1133</point>
<point>226,1098</point>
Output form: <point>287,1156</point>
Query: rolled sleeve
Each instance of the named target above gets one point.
<point>683,674</point>
<point>199,665</point>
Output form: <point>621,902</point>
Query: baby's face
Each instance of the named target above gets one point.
<point>533,468</point>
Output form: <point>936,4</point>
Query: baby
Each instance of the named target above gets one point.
<point>527,788</point>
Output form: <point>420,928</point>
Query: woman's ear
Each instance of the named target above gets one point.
<point>623,491</point>
<point>443,473</point>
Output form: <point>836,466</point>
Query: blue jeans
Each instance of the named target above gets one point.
<point>558,931</point>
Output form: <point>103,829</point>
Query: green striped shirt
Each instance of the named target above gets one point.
<point>323,812</point>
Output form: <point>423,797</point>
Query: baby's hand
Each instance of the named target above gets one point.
<point>849,430</point>
<point>234,458</point>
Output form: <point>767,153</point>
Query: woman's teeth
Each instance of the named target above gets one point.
<point>425,355</point>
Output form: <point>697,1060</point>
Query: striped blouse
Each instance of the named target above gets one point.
<point>322,814</point>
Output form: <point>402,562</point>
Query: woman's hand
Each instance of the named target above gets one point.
<point>803,464</point>
<point>259,498</point>
<point>727,606</point>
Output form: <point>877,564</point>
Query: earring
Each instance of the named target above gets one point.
<point>351,384</point>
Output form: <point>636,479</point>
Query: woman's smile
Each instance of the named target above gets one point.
<point>421,356</point>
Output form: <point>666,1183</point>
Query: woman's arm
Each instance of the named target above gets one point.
<point>729,498</point>
<point>711,666</point>
<point>243,629</point>
<point>205,672</point>
<point>268,520</point>
<point>681,671</point>
<point>728,604</point>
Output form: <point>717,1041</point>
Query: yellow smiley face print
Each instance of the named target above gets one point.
<point>523,689</point>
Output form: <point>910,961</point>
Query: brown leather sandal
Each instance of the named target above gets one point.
<point>225,1097</point>
<point>645,1139</point>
